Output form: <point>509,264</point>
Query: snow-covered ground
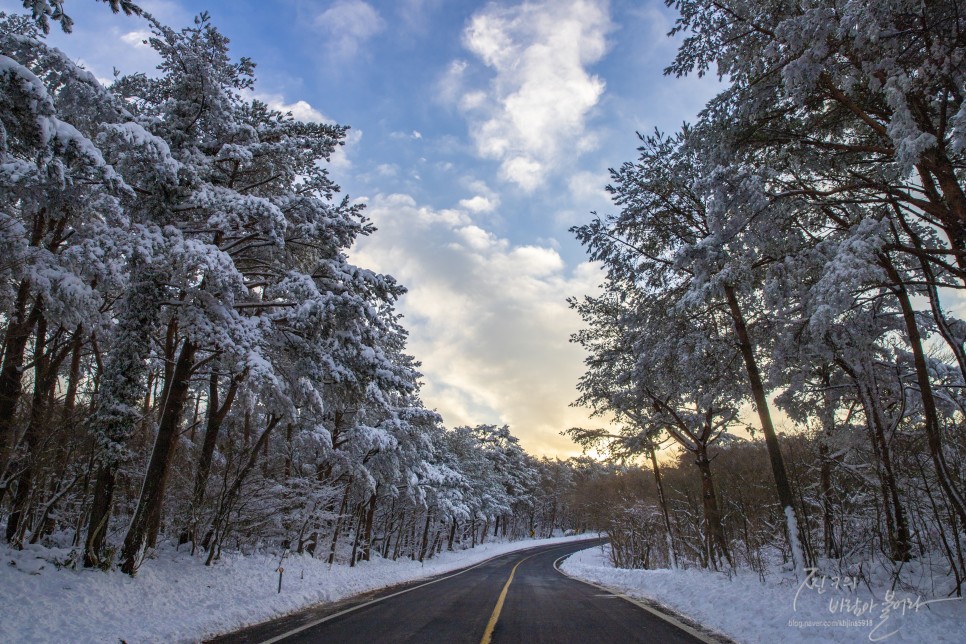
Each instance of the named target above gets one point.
<point>781,609</point>
<point>175,597</point>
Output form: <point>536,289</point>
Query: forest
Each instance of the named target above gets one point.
<point>793,259</point>
<point>189,356</point>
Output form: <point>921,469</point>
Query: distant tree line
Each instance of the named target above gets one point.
<point>802,245</point>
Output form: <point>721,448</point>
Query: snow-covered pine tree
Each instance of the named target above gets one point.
<point>864,103</point>
<point>658,369</point>
<point>65,219</point>
<point>255,248</point>
<point>700,235</point>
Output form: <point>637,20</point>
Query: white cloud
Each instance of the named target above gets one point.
<point>414,135</point>
<point>340,157</point>
<point>484,200</point>
<point>347,25</point>
<point>301,110</point>
<point>524,171</point>
<point>479,203</point>
<point>473,100</point>
<point>415,14</point>
<point>532,116</point>
<point>474,238</point>
<point>476,185</point>
<point>451,82</point>
<point>137,38</point>
<point>487,318</point>
<point>590,187</point>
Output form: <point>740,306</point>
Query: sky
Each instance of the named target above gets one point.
<point>480,133</point>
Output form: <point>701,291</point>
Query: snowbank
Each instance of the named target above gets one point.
<point>779,609</point>
<point>175,597</point>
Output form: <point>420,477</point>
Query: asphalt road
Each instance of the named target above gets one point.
<point>539,604</point>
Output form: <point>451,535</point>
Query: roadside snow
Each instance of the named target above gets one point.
<point>780,609</point>
<point>175,597</point>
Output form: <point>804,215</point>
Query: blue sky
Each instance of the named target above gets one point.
<point>481,131</point>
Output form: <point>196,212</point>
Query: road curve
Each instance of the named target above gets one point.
<point>539,604</point>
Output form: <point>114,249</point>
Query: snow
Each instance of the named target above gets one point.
<point>798,556</point>
<point>175,597</point>
<point>822,608</point>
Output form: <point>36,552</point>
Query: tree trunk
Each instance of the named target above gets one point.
<point>358,517</point>
<point>143,529</point>
<point>370,516</point>
<point>100,514</point>
<point>825,490</point>
<point>436,545</point>
<point>935,305</point>
<point>899,540</point>
<point>11,371</point>
<point>19,326</point>
<point>399,537</point>
<point>338,522</point>
<point>664,509</point>
<point>712,514</point>
<point>425,540</point>
<point>825,467</point>
<point>782,486</point>
<point>953,197</point>
<point>412,538</point>
<point>73,377</point>
<point>219,524</point>
<point>32,433</point>
<point>897,527</point>
<point>552,523</point>
<point>120,389</point>
<point>930,413</point>
<point>216,417</point>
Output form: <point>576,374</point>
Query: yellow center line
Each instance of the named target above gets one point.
<point>488,633</point>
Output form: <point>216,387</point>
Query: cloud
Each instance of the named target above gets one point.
<point>532,115</point>
<point>487,318</point>
<point>301,110</point>
<point>340,161</point>
<point>413,135</point>
<point>479,203</point>
<point>450,85</point>
<point>347,25</point>
<point>590,187</point>
<point>137,38</point>
<point>416,14</point>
